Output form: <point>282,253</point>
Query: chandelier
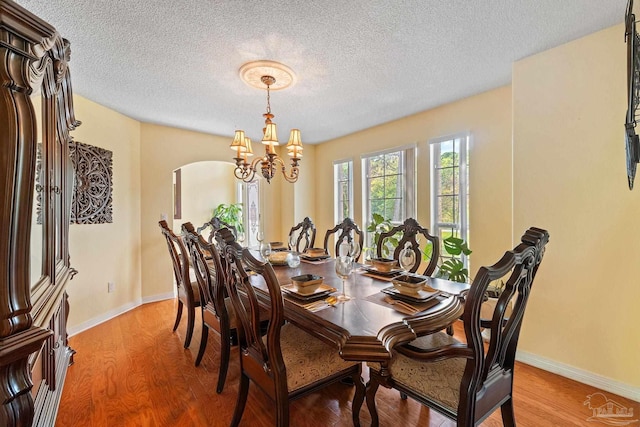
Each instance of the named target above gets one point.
<point>270,163</point>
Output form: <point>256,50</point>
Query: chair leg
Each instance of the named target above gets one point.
<point>225,350</point>
<point>372,388</point>
<point>508,416</point>
<point>450,330</point>
<point>282,410</point>
<point>243,392</point>
<point>203,343</point>
<point>191,319</point>
<point>403,395</point>
<point>178,316</point>
<point>358,398</point>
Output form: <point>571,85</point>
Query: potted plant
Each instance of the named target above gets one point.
<point>377,226</point>
<point>451,268</point>
<point>231,214</point>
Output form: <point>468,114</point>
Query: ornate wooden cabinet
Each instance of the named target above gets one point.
<point>36,183</point>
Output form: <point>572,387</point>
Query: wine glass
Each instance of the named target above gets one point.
<point>293,259</point>
<point>292,242</point>
<point>344,266</point>
<point>260,236</point>
<point>265,250</point>
<point>355,250</point>
<point>240,238</point>
<point>344,249</point>
<point>407,259</point>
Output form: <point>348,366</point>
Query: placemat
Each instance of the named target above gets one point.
<point>379,297</point>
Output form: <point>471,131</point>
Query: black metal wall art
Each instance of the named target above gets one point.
<point>92,200</point>
<point>633,93</point>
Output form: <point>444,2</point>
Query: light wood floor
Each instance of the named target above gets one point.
<point>133,371</point>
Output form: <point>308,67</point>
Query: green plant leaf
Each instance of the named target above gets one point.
<point>427,252</point>
<point>453,269</point>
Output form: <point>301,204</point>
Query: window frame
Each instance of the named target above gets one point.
<point>336,190</point>
<point>462,225</point>
<point>409,180</point>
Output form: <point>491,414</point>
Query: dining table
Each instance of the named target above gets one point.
<point>366,327</point>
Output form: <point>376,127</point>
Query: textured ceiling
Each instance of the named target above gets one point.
<point>358,63</point>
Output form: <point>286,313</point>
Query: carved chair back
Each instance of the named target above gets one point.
<point>409,231</point>
<point>347,231</point>
<point>180,260</point>
<point>215,224</point>
<point>261,359</point>
<point>207,268</point>
<point>488,377</point>
<point>302,236</point>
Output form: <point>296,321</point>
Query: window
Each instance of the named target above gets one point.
<point>389,185</point>
<point>343,190</point>
<point>450,188</point>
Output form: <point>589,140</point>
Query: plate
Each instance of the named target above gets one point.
<point>421,296</point>
<point>314,258</point>
<point>321,291</point>
<point>392,272</point>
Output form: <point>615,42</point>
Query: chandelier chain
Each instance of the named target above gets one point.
<point>268,100</point>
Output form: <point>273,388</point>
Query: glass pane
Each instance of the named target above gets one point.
<point>36,251</point>
<point>393,187</point>
<point>376,166</point>
<point>343,171</point>
<point>446,177</point>
<point>377,207</point>
<point>446,209</point>
<point>392,163</point>
<point>376,188</point>
<point>394,210</point>
<point>446,150</point>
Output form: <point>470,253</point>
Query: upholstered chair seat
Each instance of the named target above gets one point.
<point>288,362</point>
<point>194,289</point>
<point>467,381</point>
<point>439,381</point>
<point>209,315</point>
<point>307,359</point>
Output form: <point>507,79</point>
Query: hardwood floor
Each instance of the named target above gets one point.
<point>133,371</point>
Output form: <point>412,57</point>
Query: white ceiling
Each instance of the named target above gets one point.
<point>358,63</point>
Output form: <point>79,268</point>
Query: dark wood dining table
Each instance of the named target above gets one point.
<point>364,328</point>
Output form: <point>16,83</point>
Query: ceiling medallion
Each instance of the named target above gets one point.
<point>267,75</point>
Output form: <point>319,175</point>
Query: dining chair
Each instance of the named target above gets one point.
<point>346,230</point>
<point>188,291</point>
<point>215,224</point>
<point>287,363</point>
<point>462,380</point>
<point>409,231</point>
<point>303,233</point>
<point>217,311</point>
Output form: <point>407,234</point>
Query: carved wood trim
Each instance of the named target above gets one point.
<point>31,53</point>
<point>92,201</point>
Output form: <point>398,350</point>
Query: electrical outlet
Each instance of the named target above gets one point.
<point>111,286</point>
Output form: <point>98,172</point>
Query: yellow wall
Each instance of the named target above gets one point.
<point>205,185</point>
<point>569,160</point>
<point>487,117</point>
<point>564,169</point>
<point>164,149</point>
<point>108,252</point>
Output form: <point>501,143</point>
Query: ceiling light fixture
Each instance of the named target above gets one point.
<point>266,72</point>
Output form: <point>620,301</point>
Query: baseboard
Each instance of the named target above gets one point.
<point>158,297</point>
<point>74,330</point>
<point>585,377</point>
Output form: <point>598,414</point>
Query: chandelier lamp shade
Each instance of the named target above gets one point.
<point>267,165</point>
